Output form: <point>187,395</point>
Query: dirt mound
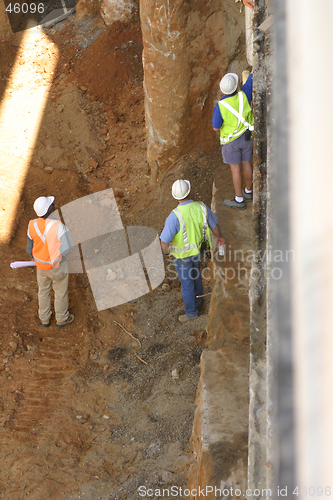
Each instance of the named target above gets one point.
<point>110,69</point>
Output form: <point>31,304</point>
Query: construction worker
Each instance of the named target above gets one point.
<point>48,244</point>
<point>233,117</point>
<point>185,230</point>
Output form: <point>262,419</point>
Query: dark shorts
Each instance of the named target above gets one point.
<point>237,151</point>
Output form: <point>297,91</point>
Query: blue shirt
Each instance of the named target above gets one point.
<point>172,226</point>
<point>247,89</point>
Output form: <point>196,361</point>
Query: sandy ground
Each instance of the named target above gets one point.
<point>88,412</point>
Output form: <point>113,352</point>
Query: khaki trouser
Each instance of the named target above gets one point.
<point>58,280</point>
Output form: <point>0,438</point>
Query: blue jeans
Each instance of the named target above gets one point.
<point>191,284</point>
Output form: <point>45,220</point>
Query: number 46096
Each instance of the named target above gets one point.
<point>312,491</point>
<point>25,8</point>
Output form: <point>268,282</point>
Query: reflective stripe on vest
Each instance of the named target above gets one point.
<point>46,230</point>
<point>239,115</point>
<point>187,246</point>
<point>45,264</point>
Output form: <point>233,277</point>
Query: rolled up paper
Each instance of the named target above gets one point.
<point>22,263</point>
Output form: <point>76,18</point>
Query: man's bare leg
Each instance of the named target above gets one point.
<point>247,170</point>
<point>238,202</point>
<point>237,178</point>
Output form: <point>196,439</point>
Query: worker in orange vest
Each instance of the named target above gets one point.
<point>48,244</point>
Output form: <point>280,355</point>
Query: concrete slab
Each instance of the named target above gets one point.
<point>220,431</point>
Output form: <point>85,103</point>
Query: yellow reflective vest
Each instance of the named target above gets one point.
<point>237,117</point>
<point>193,230</point>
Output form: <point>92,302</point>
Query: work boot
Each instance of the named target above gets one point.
<point>235,204</point>
<point>45,325</point>
<point>183,318</point>
<point>68,321</point>
<point>247,196</point>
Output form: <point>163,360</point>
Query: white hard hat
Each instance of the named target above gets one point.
<point>181,189</point>
<point>229,83</point>
<point>42,204</point>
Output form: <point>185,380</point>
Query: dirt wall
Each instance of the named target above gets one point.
<point>111,11</point>
<point>187,49</point>
<point>5,29</point>
<point>118,10</point>
<point>86,8</point>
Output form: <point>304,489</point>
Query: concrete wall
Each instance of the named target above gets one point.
<point>258,464</point>
<point>271,433</point>
<point>295,439</point>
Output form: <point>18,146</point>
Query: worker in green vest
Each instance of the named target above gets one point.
<point>233,117</point>
<point>185,230</point>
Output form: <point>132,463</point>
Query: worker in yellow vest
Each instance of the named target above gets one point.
<point>233,117</point>
<point>48,244</point>
<point>185,230</point>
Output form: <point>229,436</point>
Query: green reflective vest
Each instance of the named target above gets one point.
<point>237,117</point>
<point>193,230</point>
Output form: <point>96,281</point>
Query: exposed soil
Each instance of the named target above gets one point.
<point>86,412</point>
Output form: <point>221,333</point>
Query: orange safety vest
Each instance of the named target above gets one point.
<point>46,246</point>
